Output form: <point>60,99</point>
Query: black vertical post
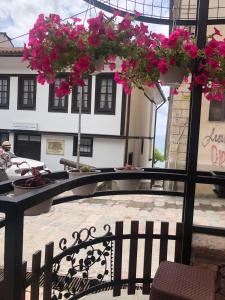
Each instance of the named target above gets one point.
<point>13,255</point>
<point>193,137</point>
<point>127,130</point>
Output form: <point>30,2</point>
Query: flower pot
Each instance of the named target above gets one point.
<point>86,189</point>
<point>128,184</point>
<point>36,210</point>
<point>173,77</point>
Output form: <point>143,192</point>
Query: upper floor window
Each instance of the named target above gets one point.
<point>82,93</point>
<point>86,146</point>
<point>27,92</point>
<point>57,104</point>
<point>105,98</point>
<point>217,110</point>
<point>4,92</point>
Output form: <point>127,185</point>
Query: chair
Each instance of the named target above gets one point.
<point>175,281</point>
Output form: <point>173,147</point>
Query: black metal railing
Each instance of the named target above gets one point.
<point>14,208</point>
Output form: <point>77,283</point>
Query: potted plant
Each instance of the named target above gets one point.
<point>146,57</point>
<point>25,185</point>
<point>86,189</point>
<point>128,184</point>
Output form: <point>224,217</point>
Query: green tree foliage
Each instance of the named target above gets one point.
<point>158,156</point>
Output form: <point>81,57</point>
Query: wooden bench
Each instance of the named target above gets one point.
<point>175,281</point>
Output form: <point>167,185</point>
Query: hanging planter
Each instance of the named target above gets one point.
<point>37,181</point>
<point>55,47</point>
<point>86,189</point>
<point>128,184</point>
<point>173,77</point>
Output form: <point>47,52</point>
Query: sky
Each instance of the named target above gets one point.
<point>18,16</point>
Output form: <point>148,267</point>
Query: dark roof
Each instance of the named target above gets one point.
<point>11,51</point>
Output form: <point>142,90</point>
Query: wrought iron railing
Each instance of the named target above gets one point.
<point>14,208</point>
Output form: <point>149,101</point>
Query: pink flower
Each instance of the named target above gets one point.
<point>126,23</point>
<point>25,53</point>
<point>213,63</point>
<point>63,89</point>
<point>76,20</point>
<point>55,18</point>
<point>174,91</point>
<point>111,58</point>
<point>136,14</point>
<point>127,89</point>
<point>163,66</point>
<point>41,79</point>
<point>112,66</point>
<point>117,77</point>
<point>191,49</point>
<point>95,24</point>
<point>217,32</point>
<point>110,33</point>
<point>93,40</point>
<point>201,79</point>
<point>116,13</point>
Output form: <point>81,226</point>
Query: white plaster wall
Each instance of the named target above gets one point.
<point>51,121</point>
<point>106,152</point>
<point>142,114</point>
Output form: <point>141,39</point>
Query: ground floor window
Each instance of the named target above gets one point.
<point>28,146</point>
<point>86,146</point>
<point>4,136</point>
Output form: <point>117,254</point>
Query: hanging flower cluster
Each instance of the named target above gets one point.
<point>55,47</point>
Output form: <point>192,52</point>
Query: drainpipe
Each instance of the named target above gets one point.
<point>127,131</point>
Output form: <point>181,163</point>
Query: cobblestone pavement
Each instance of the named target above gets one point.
<point>65,218</point>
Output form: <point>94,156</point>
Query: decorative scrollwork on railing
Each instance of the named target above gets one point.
<point>87,266</point>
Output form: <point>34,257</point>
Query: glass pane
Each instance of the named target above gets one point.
<point>103,89</point>
<point>110,82</point>
<point>35,138</point>
<point>56,102</point>
<point>103,97</point>
<point>104,82</point>
<point>110,89</point>
<point>102,104</point>
<point>21,137</point>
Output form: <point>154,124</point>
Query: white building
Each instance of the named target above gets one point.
<point>115,128</point>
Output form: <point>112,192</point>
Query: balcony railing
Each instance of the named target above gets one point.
<point>15,275</point>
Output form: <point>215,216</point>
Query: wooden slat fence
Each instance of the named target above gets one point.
<point>42,276</point>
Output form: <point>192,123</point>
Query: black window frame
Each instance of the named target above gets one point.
<point>20,104</point>
<point>51,107</point>
<point>99,79</point>
<point>6,105</point>
<point>220,107</point>
<point>74,101</point>
<point>84,154</point>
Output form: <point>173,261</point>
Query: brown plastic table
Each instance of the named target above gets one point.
<point>175,281</point>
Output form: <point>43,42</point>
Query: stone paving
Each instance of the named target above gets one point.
<point>65,218</point>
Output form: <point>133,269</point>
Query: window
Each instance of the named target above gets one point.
<point>4,136</point>
<point>27,93</point>
<point>57,104</point>
<point>85,93</point>
<point>105,98</point>
<point>217,110</point>
<point>86,146</point>
<point>4,92</point>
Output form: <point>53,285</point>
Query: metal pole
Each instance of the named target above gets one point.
<point>79,128</point>
<point>13,255</point>
<point>193,138</point>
